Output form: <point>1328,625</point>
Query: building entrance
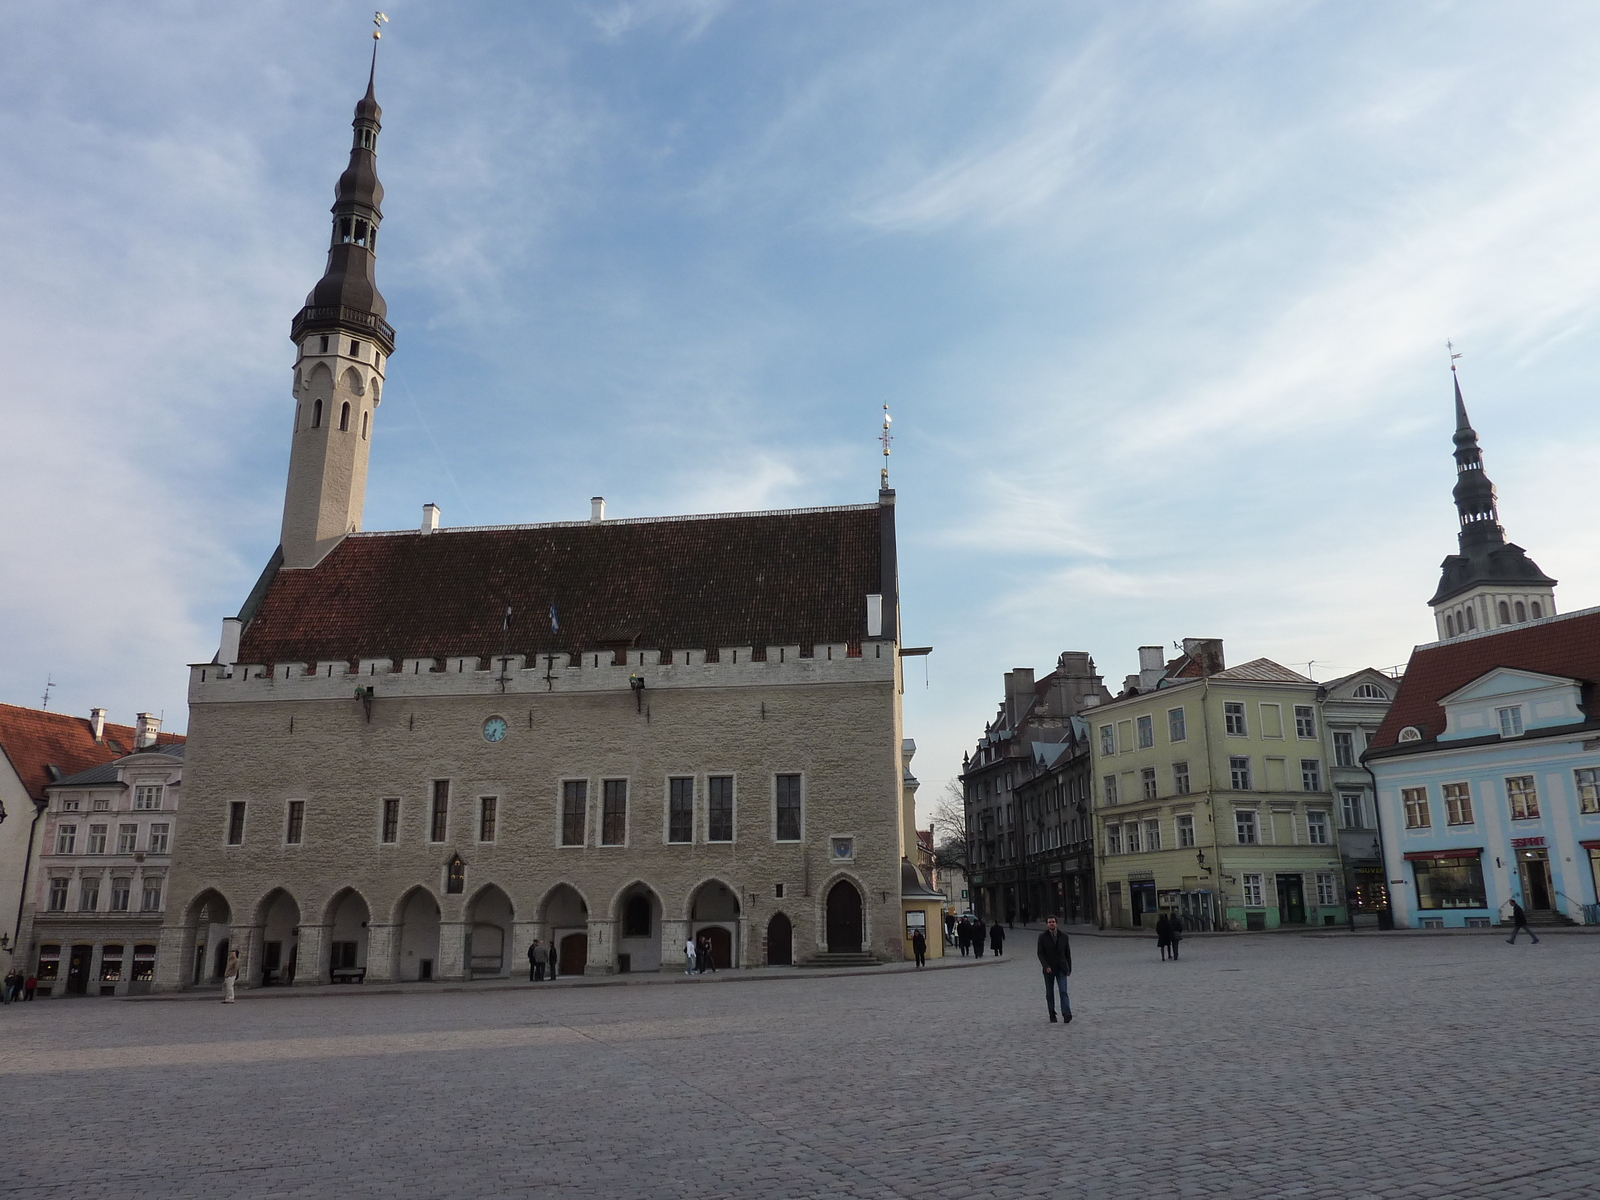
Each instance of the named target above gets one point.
<point>780,941</point>
<point>78,970</point>
<point>574,953</point>
<point>1534,867</point>
<point>1291,900</point>
<point>1142,899</point>
<point>844,919</point>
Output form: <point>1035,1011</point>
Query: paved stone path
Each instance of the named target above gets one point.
<point>1255,1067</point>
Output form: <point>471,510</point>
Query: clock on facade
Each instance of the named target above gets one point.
<point>494,729</point>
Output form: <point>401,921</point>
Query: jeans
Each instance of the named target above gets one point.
<point>227,989</point>
<point>1053,982</point>
<point>1518,929</point>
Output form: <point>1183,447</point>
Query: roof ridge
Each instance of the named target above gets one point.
<point>1487,633</point>
<point>718,516</point>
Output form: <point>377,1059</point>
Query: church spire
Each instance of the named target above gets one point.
<point>1491,582</point>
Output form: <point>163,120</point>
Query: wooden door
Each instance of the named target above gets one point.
<point>78,970</point>
<point>844,919</point>
<point>1291,900</point>
<point>574,953</point>
<point>721,946</point>
<point>780,942</point>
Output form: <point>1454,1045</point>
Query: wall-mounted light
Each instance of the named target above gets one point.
<point>636,682</point>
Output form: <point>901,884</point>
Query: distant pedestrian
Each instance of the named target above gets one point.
<point>1024,916</point>
<point>997,940</point>
<point>8,985</point>
<point>1011,913</point>
<point>1519,922</point>
<point>29,986</point>
<point>535,962</point>
<point>1163,935</point>
<point>1174,935</point>
<point>689,955</point>
<point>949,926</point>
<point>1055,956</point>
<point>708,955</point>
<point>230,975</point>
<point>919,946</point>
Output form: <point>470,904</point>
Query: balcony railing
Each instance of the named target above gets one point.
<point>337,315</point>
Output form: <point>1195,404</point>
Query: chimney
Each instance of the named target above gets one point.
<point>228,651</point>
<point>1019,694</point>
<point>145,728</point>
<point>1152,666</point>
<point>97,724</point>
<point>430,518</point>
<point>597,509</point>
<point>1207,652</point>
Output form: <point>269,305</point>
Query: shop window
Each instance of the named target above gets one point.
<point>49,962</point>
<point>1449,883</point>
<point>144,962</point>
<point>111,964</point>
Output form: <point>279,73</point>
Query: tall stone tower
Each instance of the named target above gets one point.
<point>343,344</point>
<point>1492,583</point>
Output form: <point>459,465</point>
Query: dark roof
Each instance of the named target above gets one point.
<point>35,740</point>
<point>107,772</point>
<point>1567,646</point>
<point>781,578</point>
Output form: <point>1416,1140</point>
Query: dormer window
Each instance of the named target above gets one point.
<point>1510,721</point>
<point>1370,691</point>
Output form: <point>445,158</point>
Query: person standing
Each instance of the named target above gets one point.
<point>1174,935</point>
<point>1163,935</point>
<point>1055,956</point>
<point>230,975</point>
<point>1519,922</point>
<point>29,986</point>
<point>6,986</point>
<point>949,926</point>
<point>708,954</point>
<point>997,940</point>
<point>919,946</point>
<point>689,955</point>
<point>535,962</point>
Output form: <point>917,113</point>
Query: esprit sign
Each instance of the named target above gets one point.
<point>1524,843</point>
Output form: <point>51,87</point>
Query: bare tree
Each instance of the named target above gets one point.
<point>950,827</point>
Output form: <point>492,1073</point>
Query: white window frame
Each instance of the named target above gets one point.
<point>1344,748</point>
<point>1416,808</point>
<point>1108,740</point>
<point>1183,824</point>
<point>1310,773</point>
<point>1458,803</point>
<point>1254,891</point>
<point>147,797</point>
<point>1145,731</point>
<point>1246,820</point>
<point>1236,772</point>
<point>1152,835</point>
<point>1232,709</point>
<point>1327,889</point>
<point>165,834</point>
<point>1317,827</point>
<point>1177,730</point>
<point>1510,721</point>
<point>1529,798</point>
<point>1180,778</point>
<point>1349,801</point>
<point>1305,713</point>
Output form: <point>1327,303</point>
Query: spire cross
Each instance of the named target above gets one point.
<point>884,439</point>
<point>1451,348</point>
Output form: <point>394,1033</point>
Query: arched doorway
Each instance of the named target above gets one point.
<point>714,913</point>
<point>565,915</point>
<point>209,919</point>
<point>844,918</point>
<point>348,917</point>
<point>489,934</point>
<point>638,929</point>
<point>279,918</point>
<point>780,942</point>
<point>419,935</point>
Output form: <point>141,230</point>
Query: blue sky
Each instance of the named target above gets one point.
<point>1157,294</point>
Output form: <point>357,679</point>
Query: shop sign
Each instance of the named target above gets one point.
<point>1524,843</point>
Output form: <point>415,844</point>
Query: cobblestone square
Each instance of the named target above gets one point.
<point>1262,1066</point>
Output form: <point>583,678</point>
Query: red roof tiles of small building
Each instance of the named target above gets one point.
<point>1568,646</point>
<point>780,578</point>
<point>34,740</point>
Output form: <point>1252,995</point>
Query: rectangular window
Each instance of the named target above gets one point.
<point>1317,828</point>
<point>144,962</point>
<point>613,812</point>
<point>1350,805</point>
<point>1125,736</point>
<point>1449,883</point>
<point>1185,823</point>
<point>70,804</point>
<point>788,808</point>
<point>296,827</point>
<point>440,825</point>
<point>1523,797</point>
<point>1415,801</point>
<point>719,808</point>
<point>391,821</point>
<point>97,839</point>
<point>1305,721</point>
<point>1176,731</point>
<point>1510,721</point>
<point>1457,804</point>
<point>58,895</point>
<point>119,894</point>
<point>1113,839</point>
<point>111,964</point>
<point>1152,835</point>
<point>1148,779</point>
<point>1252,891</point>
<point>1239,772</point>
<point>488,813</point>
<point>1108,740</point>
<point>574,812</point>
<point>1180,779</point>
<point>235,823</point>
<point>1344,749</point>
<point>152,895</point>
<point>1233,719</point>
<point>89,893</point>
<point>1310,775</point>
<point>1130,831</point>
<point>127,839</point>
<point>680,810</point>
<point>1147,733</point>
<point>147,796</point>
<point>66,839</point>
<point>101,804</point>
<point>1244,824</point>
<point>1327,889</point>
<point>1108,789</point>
<point>160,838</point>
<point>1587,781</point>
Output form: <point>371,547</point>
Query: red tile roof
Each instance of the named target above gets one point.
<point>1568,646</point>
<point>35,739</point>
<point>781,578</point>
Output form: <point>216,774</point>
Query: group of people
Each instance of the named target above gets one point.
<point>1169,932</point>
<point>698,956</point>
<point>17,986</point>
<point>968,932</point>
<point>539,958</point>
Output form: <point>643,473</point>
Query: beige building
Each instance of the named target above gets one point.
<point>418,753</point>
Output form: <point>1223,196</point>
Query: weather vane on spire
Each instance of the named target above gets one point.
<point>1451,347</point>
<point>378,21</point>
<point>884,439</point>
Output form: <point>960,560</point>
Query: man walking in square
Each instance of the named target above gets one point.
<point>1519,922</point>
<point>1055,956</point>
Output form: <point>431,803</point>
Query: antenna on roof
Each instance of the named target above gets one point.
<point>49,682</point>
<point>884,439</point>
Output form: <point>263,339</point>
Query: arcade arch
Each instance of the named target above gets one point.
<point>565,914</point>
<point>489,918</point>
<point>417,915</point>
<point>714,915</point>
<point>347,920</point>
<point>638,917</point>
<point>208,922</point>
<point>278,918</point>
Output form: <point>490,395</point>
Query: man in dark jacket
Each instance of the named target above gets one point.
<point>997,940</point>
<point>1519,922</point>
<point>1055,956</point>
<point>919,946</point>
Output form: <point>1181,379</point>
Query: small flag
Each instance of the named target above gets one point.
<point>555,625</point>
<point>505,626</point>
